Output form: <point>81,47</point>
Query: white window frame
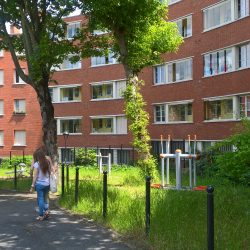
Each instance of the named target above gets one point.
<point>108,60</point>
<point>1,107</point>
<point>1,53</point>
<point>67,65</point>
<point>66,118</point>
<point>17,108</point>
<point>77,23</point>
<point>234,13</point>
<point>1,138</point>
<point>1,77</point>
<point>171,2</point>
<point>166,106</point>
<point>20,79</point>
<point>169,66</point>
<point>56,90</point>
<point>235,58</point>
<point>115,94</point>
<point>235,103</point>
<point>22,143</point>
<point>115,129</point>
<point>247,105</point>
<point>181,20</point>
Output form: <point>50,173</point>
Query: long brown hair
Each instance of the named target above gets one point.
<point>43,162</point>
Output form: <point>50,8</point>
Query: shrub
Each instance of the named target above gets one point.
<point>85,157</point>
<point>235,165</point>
<point>15,160</point>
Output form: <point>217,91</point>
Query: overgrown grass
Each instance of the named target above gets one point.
<point>178,218</point>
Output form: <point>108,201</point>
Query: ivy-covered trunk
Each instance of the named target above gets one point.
<point>139,120</point>
<point>48,121</point>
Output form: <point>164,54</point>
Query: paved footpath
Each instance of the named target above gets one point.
<point>20,230</point>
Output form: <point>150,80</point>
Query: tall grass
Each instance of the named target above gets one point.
<point>178,218</point>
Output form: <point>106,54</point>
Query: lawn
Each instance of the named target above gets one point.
<point>178,218</point>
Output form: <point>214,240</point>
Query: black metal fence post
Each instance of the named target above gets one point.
<point>67,176</point>
<point>15,177</point>
<point>10,157</point>
<point>148,180</point>
<point>62,179</point>
<point>77,186</point>
<point>105,194</point>
<point>23,157</point>
<point>210,218</point>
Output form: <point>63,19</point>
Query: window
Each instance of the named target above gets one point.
<point>1,138</point>
<point>103,60</point>
<point>65,94</point>
<point>173,72</point>
<point>242,8</point>
<point>71,125</point>
<point>70,94</point>
<point>180,112</point>
<point>219,109</point>
<point>67,64</point>
<point>72,29</point>
<point>104,91</point>
<point>1,77</point>
<point>1,52</point>
<point>109,125</point>
<point>19,106</point>
<point>243,52</point>
<point>218,62</point>
<point>19,138</point>
<point>18,79</point>
<point>172,113</point>
<point>173,1</point>
<point>245,106</point>
<point>185,26</point>
<point>160,115</point>
<point>225,12</point>
<point>160,74</point>
<point>108,90</point>
<point>99,32</point>
<point>1,107</point>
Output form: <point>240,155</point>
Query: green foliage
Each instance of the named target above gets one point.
<point>235,165</point>
<point>134,108</point>
<point>85,157</point>
<point>15,160</point>
<point>139,32</point>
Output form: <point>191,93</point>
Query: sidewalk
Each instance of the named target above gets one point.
<point>20,230</point>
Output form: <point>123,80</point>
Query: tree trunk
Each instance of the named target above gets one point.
<point>48,122</point>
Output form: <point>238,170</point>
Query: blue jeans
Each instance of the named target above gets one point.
<point>42,193</point>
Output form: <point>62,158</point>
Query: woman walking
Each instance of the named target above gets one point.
<point>41,183</point>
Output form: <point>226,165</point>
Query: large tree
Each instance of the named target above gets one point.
<point>139,34</point>
<point>42,45</point>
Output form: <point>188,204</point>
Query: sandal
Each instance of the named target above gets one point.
<point>40,218</point>
<point>46,214</point>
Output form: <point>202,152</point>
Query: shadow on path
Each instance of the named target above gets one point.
<point>20,230</point>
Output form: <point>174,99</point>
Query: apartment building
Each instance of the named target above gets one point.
<point>20,119</point>
<point>202,90</point>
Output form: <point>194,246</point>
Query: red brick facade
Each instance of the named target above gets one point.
<point>30,122</point>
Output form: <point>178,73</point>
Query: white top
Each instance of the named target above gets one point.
<point>41,178</point>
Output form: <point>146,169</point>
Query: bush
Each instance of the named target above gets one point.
<point>85,157</point>
<point>15,160</point>
<point>235,165</point>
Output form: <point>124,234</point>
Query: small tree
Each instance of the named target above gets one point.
<point>85,157</point>
<point>42,45</point>
<point>138,36</point>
